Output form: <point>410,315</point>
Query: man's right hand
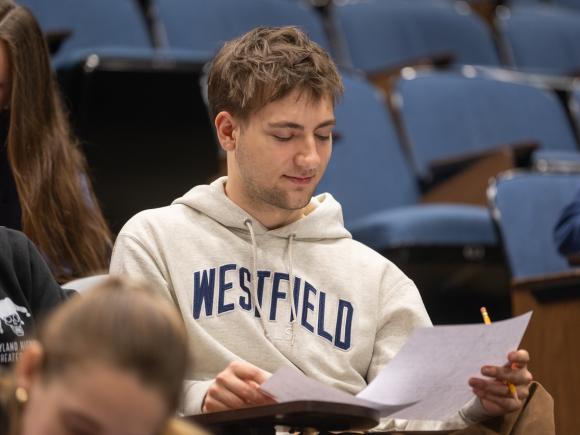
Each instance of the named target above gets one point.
<point>237,387</point>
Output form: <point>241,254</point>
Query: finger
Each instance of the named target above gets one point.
<point>211,403</point>
<point>221,394</point>
<point>522,392</point>
<point>499,389</point>
<point>515,376</point>
<point>249,372</point>
<point>245,391</point>
<point>508,404</point>
<point>520,358</point>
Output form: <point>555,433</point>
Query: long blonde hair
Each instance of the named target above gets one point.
<point>60,213</point>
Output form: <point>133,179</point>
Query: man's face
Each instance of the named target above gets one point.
<point>280,154</point>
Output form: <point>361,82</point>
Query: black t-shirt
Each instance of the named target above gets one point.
<point>10,213</point>
<point>28,291</point>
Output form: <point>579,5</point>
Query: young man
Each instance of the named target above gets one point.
<point>265,275</point>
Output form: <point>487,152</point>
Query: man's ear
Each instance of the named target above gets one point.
<point>227,128</point>
<point>28,365</point>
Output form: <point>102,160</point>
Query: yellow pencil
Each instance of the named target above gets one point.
<point>487,321</point>
<point>485,316</point>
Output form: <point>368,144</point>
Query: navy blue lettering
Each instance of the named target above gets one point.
<point>245,301</point>
<point>223,288</point>
<point>262,275</point>
<point>297,283</point>
<point>203,289</point>
<point>276,293</point>
<point>306,305</point>
<point>339,341</point>
<point>321,304</point>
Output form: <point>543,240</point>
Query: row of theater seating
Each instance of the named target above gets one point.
<point>368,35</point>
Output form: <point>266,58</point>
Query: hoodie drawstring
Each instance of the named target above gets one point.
<point>254,279</point>
<point>291,286</point>
<point>248,224</point>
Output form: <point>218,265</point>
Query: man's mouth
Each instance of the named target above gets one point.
<point>300,180</point>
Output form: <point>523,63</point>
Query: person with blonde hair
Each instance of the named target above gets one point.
<point>45,190</point>
<point>108,362</point>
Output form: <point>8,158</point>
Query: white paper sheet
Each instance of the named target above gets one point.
<point>430,370</point>
<point>288,385</point>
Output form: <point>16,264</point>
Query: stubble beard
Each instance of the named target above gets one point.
<point>261,195</point>
<point>274,196</point>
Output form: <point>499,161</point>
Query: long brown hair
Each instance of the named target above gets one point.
<point>60,213</point>
<point>121,323</point>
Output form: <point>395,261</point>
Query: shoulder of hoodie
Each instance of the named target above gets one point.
<point>159,220</point>
<point>363,254</point>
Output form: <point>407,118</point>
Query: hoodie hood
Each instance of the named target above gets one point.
<point>322,220</point>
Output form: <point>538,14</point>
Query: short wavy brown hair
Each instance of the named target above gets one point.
<point>265,65</point>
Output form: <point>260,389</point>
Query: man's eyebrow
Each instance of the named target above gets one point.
<point>326,123</point>
<point>287,124</point>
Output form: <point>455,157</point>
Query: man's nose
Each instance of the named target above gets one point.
<point>308,156</point>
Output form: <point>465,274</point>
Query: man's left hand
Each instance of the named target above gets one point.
<point>494,393</point>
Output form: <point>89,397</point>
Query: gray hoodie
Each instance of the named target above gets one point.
<point>305,295</point>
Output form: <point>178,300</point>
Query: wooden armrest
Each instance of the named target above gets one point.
<point>470,185</point>
<point>464,179</point>
<point>444,168</point>
<point>384,78</point>
<point>55,38</point>
<point>551,287</point>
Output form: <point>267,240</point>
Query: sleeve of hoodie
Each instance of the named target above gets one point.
<point>134,258</point>
<point>131,257</point>
<point>30,274</point>
<point>401,310</point>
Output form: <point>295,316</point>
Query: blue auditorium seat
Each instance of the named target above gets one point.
<point>526,207</point>
<point>542,38</point>
<point>382,34</point>
<point>206,25</point>
<point>447,115</point>
<point>110,28</point>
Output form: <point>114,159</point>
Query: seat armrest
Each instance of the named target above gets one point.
<point>551,287</point>
<point>464,179</point>
<point>441,169</point>
<point>386,78</point>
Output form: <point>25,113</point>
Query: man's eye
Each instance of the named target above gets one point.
<point>283,138</point>
<point>322,137</point>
